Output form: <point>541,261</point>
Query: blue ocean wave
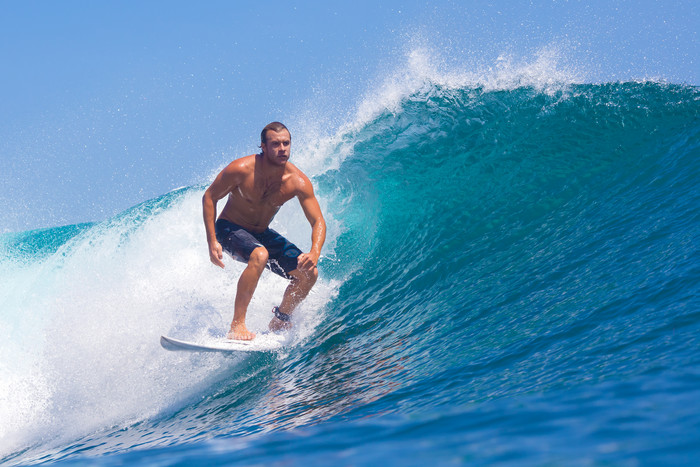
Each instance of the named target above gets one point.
<point>513,276</point>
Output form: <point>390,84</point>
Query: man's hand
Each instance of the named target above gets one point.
<point>216,253</point>
<point>307,261</point>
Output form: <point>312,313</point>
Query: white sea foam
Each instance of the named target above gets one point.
<point>82,352</point>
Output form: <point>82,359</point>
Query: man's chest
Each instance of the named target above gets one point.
<point>265,193</point>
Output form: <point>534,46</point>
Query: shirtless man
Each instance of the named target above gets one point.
<point>257,186</point>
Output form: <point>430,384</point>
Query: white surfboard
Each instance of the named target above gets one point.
<point>262,342</point>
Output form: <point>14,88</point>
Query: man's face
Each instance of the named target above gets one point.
<point>276,149</point>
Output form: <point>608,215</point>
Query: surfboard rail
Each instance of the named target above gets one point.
<point>263,342</point>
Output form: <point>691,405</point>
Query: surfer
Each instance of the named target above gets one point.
<point>257,186</point>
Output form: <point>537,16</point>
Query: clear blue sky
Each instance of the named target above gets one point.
<point>106,104</point>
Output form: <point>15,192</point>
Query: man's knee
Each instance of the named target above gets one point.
<point>258,257</point>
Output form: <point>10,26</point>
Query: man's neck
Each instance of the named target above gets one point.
<point>270,170</point>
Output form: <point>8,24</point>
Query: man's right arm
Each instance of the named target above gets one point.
<point>220,187</point>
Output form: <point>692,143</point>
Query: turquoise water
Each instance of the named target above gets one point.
<point>512,275</point>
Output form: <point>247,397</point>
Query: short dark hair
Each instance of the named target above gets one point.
<point>274,126</point>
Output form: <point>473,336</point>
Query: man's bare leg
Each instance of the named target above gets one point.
<point>247,284</point>
<point>297,290</point>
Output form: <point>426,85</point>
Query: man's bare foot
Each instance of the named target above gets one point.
<point>240,332</point>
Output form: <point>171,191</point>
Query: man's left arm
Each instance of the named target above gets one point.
<point>312,211</point>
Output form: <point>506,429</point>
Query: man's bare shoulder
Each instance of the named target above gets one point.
<point>299,180</point>
<point>241,165</point>
<point>231,176</point>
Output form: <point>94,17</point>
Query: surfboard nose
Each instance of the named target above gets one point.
<point>167,344</point>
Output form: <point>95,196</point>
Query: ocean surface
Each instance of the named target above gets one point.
<point>512,276</point>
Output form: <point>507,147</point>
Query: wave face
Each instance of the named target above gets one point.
<point>511,275</point>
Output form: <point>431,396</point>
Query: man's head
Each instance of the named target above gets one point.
<point>275,142</point>
<point>274,126</point>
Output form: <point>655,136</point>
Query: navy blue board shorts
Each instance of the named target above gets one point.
<point>240,243</point>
